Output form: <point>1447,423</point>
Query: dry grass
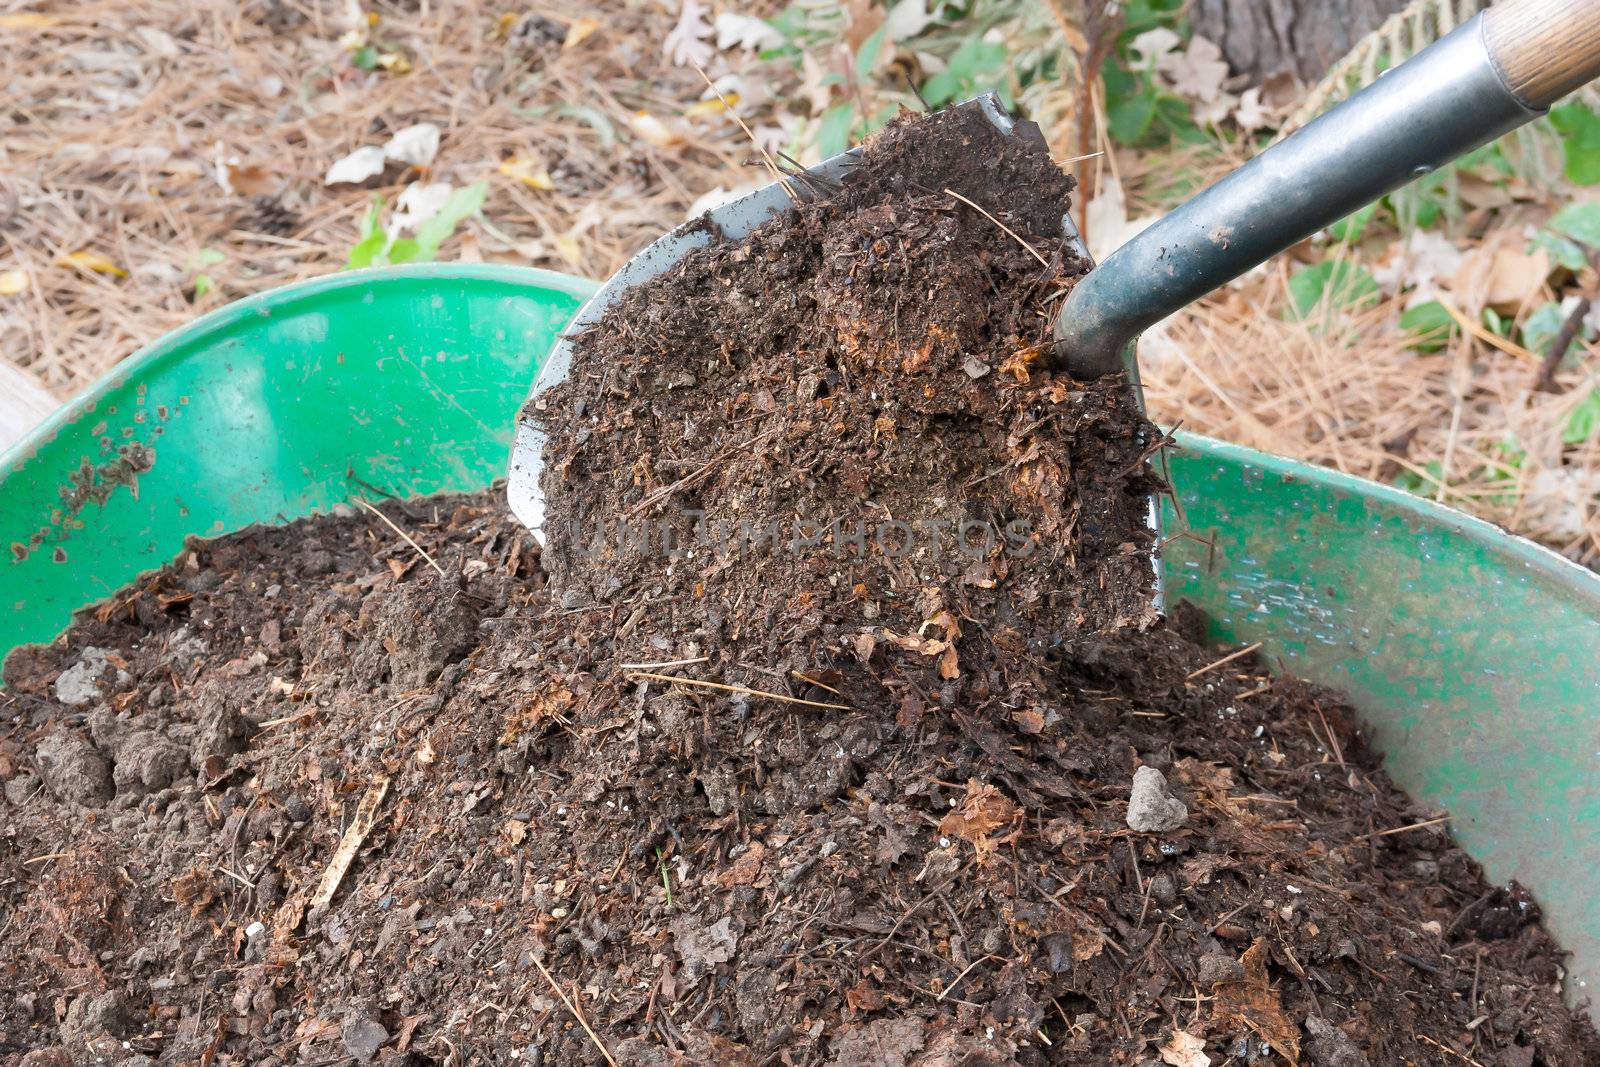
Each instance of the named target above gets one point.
<point>121,114</point>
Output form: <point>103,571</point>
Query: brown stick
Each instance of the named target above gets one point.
<point>576,1014</point>
<point>745,690</point>
<point>1562,341</point>
<point>1229,658</point>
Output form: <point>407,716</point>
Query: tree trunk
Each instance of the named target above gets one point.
<point>1261,38</point>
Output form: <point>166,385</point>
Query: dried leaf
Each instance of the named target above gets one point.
<point>735,30</point>
<point>712,105</point>
<point>13,282</point>
<point>28,20</point>
<point>92,261</point>
<point>744,870</point>
<point>528,173</point>
<point>688,43</point>
<point>653,131</point>
<point>357,167</point>
<point>416,145</point>
<point>580,30</point>
<point>1185,1050</point>
<point>1252,1001</point>
<point>981,812</point>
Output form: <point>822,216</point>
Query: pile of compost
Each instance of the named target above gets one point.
<point>832,725</point>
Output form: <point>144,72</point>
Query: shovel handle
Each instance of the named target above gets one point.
<point>1501,69</point>
<point>1544,48</point>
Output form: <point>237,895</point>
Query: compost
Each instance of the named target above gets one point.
<point>832,725</point>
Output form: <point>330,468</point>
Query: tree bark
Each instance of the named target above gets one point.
<point>1261,38</point>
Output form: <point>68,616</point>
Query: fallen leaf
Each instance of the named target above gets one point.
<point>863,997</point>
<point>355,168</point>
<point>416,145</point>
<point>654,131</point>
<point>907,18</point>
<point>744,870</point>
<point>704,946</point>
<point>28,20</point>
<point>580,30</point>
<point>1252,1001</point>
<point>13,282</point>
<point>92,261</point>
<point>688,43</point>
<point>1197,72</point>
<point>1503,277</point>
<point>981,812</point>
<point>417,203</point>
<point>528,173</point>
<point>714,105</point>
<point>748,32</point>
<point>1185,1050</point>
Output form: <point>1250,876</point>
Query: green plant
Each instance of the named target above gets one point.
<point>203,282</point>
<point>1333,282</point>
<point>1429,326</point>
<point>1584,422</point>
<point>1139,109</point>
<point>378,248</point>
<point>1579,127</point>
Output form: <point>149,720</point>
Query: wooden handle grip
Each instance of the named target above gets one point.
<point>1544,48</point>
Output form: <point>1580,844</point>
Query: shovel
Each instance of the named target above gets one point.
<point>1503,68</point>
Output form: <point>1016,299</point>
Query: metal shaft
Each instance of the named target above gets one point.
<point>1445,101</point>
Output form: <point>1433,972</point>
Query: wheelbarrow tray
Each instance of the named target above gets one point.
<point>1474,655</point>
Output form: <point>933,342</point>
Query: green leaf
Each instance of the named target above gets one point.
<point>1541,326</point>
<point>964,71</point>
<point>867,54</point>
<point>1580,221</point>
<point>1429,325</point>
<point>463,204</point>
<point>364,58</point>
<point>833,135</point>
<point>1496,324</point>
<point>203,285</point>
<point>1334,282</point>
<point>209,257</point>
<point>1562,251</point>
<point>1580,138</point>
<point>1412,482</point>
<point>1130,116</point>
<point>405,250</point>
<point>1351,227</point>
<point>1584,422</point>
<point>366,250</point>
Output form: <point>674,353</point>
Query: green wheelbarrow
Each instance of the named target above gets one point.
<point>1474,655</point>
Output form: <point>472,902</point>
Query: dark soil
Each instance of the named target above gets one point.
<point>900,836</point>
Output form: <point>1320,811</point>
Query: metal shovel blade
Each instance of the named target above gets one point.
<point>734,220</point>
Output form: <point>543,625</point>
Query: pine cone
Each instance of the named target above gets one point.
<point>271,216</point>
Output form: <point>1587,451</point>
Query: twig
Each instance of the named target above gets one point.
<point>663,663</point>
<point>1403,829</point>
<point>366,818</point>
<point>403,535</point>
<point>765,155</point>
<point>576,1014</point>
<point>689,479</point>
<point>1560,343</point>
<point>1453,1052</point>
<point>747,691</point>
<point>1034,252</point>
<point>1229,658</point>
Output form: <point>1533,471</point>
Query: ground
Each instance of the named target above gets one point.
<point>162,159</point>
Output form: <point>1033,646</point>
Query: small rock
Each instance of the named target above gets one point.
<point>1219,967</point>
<point>79,684</point>
<point>1058,947</point>
<point>362,1038</point>
<point>73,769</point>
<point>1331,1046</point>
<point>975,368</point>
<point>1151,807</point>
